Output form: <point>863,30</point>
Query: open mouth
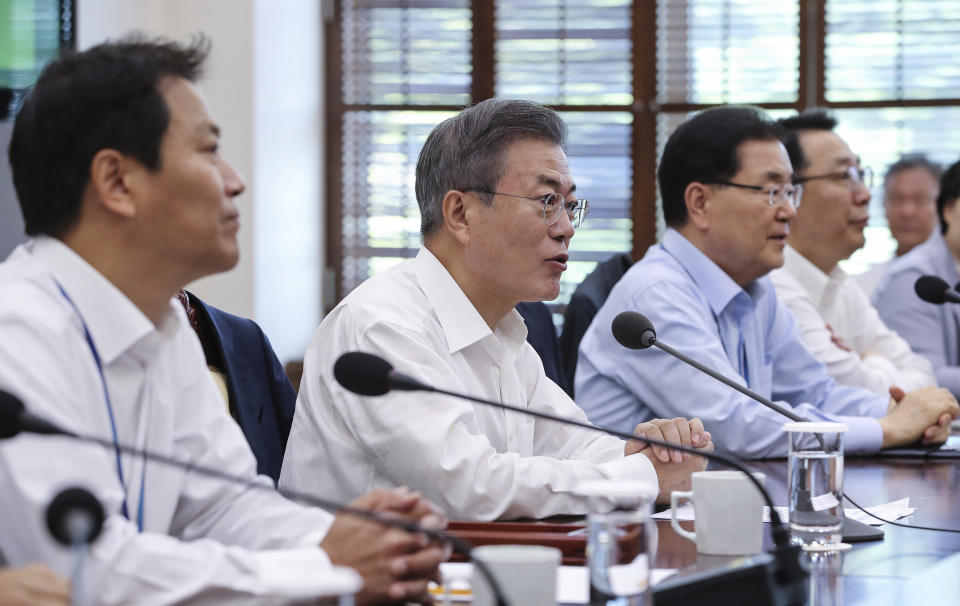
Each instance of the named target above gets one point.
<point>560,260</point>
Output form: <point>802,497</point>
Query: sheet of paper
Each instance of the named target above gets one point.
<point>572,582</point>
<point>889,511</point>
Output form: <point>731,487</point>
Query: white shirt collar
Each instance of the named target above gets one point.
<point>810,277</point>
<point>461,322</point>
<point>115,323</point>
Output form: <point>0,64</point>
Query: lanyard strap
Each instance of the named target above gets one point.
<point>113,423</point>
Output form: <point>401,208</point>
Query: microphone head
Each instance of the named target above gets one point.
<point>633,330</point>
<point>931,289</point>
<point>363,373</point>
<point>11,413</point>
<point>75,515</point>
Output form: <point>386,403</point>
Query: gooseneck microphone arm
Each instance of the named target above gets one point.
<point>14,419</point>
<point>370,375</point>
<point>725,380</point>
<point>634,331</point>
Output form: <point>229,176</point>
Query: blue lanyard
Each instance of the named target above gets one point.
<point>113,424</point>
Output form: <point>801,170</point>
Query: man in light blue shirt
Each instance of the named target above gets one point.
<point>725,182</point>
<point>931,330</point>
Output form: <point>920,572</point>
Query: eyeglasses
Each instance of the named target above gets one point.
<point>778,194</point>
<point>852,176</point>
<point>553,204</point>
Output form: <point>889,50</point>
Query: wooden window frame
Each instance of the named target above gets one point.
<point>811,92</point>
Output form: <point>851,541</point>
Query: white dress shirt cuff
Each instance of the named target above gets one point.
<point>302,574</point>
<point>635,467</point>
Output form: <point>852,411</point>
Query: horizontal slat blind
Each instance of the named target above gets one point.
<point>394,53</point>
<point>569,52</point>
<point>578,53</point>
<point>892,49</point>
<point>398,52</point>
<point>381,219</point>
<point>598,148</point>
<point>727,51</point>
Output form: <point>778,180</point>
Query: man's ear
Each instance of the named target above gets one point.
<point>457,209</point>
<point>112,176</point>
<point>697,198</point>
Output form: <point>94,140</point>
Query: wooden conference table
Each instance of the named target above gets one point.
<point>909,566</point>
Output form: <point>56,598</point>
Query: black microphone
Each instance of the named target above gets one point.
<point>935,290</point>
<point>358,371</point>
<point>75,517</point>
<point>369,375</point>
<point>634,331</point>
<point>14,418</point>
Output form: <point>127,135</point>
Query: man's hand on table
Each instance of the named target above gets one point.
<point>395,565</point>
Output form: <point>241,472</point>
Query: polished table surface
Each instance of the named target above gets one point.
<point>909,566</point>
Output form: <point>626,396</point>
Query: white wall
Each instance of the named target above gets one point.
<point>263,83</point>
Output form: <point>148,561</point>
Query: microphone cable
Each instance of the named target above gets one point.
<point>14,419</point>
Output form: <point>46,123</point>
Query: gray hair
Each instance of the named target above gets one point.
<point>913,161</point>
<point>467,150</point>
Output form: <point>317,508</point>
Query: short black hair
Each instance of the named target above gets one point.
<point>83,102</point>
<point>949,192</point>
<point>704,148</point>
<point>909,161</point>
<point>812,119</point>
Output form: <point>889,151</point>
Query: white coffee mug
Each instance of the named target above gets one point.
<point>728,512</point>
<point>527,574</point>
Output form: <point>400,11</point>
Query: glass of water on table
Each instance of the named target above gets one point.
<point>815,483</point>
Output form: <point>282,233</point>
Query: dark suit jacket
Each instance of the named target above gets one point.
<point>542,335</point>
<point>584,304</point>
<point>261,398</point>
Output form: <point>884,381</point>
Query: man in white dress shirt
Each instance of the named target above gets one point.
<point>117,170</point>
<point>839,325</point>
<point>497,214</point>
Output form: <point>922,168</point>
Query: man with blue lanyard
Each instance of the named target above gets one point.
<point>728,201</point>
<point>116,165</point>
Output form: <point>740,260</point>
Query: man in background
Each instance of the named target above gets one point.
<point>838,324</point>
<point>910,190</point>
<point>932,330</point>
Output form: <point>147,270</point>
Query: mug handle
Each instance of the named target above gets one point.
<point>675,498</point>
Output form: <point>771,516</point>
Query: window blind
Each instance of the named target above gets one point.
<point>404,52</point>
<point>727,51</point>
<point>892,49</point>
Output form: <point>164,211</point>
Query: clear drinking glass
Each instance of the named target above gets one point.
<point>815,482</point>
<point>621,541</point>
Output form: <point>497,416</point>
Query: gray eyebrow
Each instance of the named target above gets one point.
<point>554,183</point>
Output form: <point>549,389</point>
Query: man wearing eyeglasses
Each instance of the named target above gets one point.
<point>839,325</point>
<point>728,201</point>
<point>910,190</point>
<point>498,211</point>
